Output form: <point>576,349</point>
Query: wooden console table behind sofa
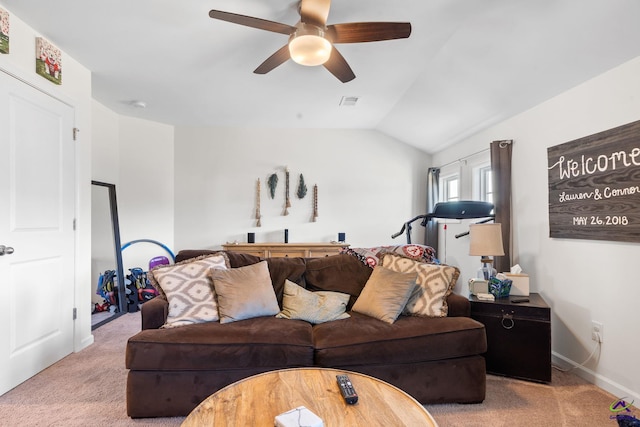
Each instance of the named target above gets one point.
<point>279,250</point>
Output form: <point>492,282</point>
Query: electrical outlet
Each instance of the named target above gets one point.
<point>597,331</point>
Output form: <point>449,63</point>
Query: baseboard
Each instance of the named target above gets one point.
<point>84,343</point>
<point>599,380</point>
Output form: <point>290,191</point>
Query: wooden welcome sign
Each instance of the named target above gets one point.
<point>594,186</point>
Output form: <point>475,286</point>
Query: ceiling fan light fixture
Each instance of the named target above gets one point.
<point>308,46</point>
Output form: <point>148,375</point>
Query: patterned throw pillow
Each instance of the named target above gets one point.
<point>385,294</point>
<point>313,307</point>
<point>435,283</point>
<point>188,288</point>
<point>371,256</point>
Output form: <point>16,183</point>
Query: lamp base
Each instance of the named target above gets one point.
<point>486,272</point>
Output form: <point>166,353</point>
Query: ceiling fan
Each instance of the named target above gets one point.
<point>311,40</point>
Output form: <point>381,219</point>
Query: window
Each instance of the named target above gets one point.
<point>467,179</point>
<point>450,188</point>
<point>483,177</point>
<point>450,184</point>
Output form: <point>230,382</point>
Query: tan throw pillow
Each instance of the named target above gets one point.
<point>313,307</point>
<point>435,283</point>
<point>385,294</point>
<point>244,292</point>
<point>189,290</point>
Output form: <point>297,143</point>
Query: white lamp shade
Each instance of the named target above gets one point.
<point>485,240</point>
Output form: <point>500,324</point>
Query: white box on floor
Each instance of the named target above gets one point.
<point>519,284</point>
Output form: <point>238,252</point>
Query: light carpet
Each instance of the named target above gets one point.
<point>88,389</point>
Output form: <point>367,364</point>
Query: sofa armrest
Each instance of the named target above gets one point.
<point>459,306</point>
<point>154,313</point>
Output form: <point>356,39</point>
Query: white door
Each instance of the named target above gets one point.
<point>37,205</point>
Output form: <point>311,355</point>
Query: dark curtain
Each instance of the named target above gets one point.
<point>431,229</point>
<point>501,177</point>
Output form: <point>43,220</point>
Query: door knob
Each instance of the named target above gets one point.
<point>5,250</point>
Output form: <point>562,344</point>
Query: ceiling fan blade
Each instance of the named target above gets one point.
<point>338,66</point>
<point>250,21</point>
<point>358,32</point>
<point>314,12</point>
<point>279,57</point>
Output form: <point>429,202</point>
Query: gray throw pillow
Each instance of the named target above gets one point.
<point>244,292</point>
<point>385,294</point>
<point>313,307</point>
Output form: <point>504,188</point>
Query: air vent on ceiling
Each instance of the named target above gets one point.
<point>348,101</point>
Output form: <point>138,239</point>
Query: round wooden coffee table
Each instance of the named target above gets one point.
<point>255,401</point>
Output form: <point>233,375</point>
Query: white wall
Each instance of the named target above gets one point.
<point>368,185</point>
<point>104,168</point>
<point>76,91</point>
<point>105,148</point>
<point>145,189</point>
<point>137,156</point>
<point>581,280</point>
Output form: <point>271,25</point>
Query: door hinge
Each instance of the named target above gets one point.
<point>74,224</point>
<point>75,313</point>
<point>75,133</point>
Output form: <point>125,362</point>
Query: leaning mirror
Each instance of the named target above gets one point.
<point>108,295</point>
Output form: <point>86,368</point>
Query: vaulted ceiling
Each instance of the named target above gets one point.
<point>468,64</point>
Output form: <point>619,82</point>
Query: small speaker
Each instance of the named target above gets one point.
<point>342,237</point>
<point>286,235</point>
<point>251,237</point>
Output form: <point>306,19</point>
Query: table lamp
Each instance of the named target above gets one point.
<point>486,241</point>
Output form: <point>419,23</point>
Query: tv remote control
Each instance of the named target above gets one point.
<point>346,388</point>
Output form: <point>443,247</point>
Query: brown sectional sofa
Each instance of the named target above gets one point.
<point>436,360</point>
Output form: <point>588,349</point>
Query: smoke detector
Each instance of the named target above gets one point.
<point>138,104</point>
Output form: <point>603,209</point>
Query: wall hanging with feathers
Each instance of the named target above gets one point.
<point>272,185</point>
<point>302,188</point>
<point>272,182</point>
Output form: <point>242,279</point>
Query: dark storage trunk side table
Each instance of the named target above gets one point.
<point>518,336</point>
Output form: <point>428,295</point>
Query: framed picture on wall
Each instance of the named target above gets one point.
<point>594,184</point>
<point>4,31</point>
<point>48,61</point>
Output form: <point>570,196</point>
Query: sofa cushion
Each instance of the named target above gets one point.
<point>188,289</point>
<point>244,292</point>
<point>188,254</point>
<point>313,307</point>
<point>280,269</point>
<point>239,259</point>
<point>361,340</point>
<point>337,273</point>
<point>385,294</point>
<point>434,284</point>
<point>252,343</point>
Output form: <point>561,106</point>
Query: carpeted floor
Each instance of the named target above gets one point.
<point>569,402</point>
<point>88,389</point>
